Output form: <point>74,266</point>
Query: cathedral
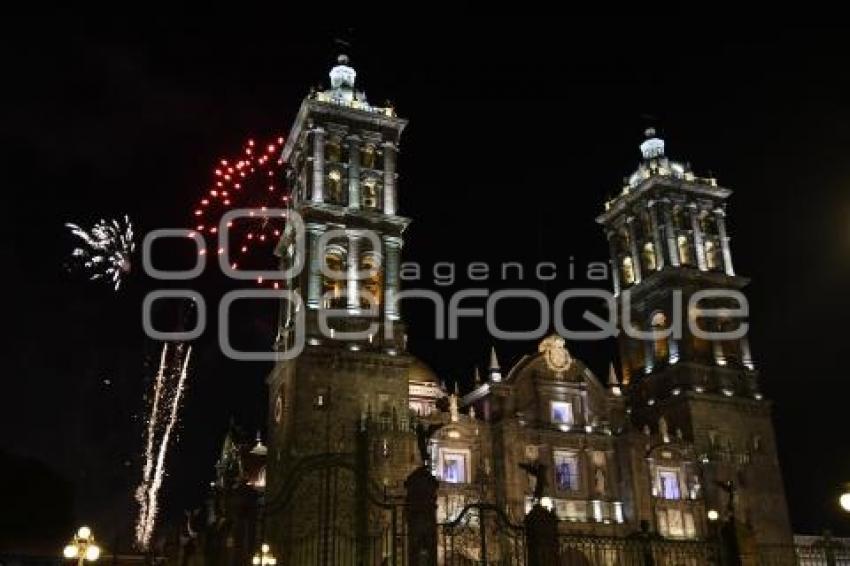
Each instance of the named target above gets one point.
<point>367,455</point>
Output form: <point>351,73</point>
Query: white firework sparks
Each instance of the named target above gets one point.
<point>168,392</point>
<point>107,250</point>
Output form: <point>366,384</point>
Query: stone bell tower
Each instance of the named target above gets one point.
<point>668,240</point>
<point>338,409</point>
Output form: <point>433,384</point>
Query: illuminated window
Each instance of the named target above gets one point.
<point>668,483</point>
<point>712,256</point>
<point>684,250</point>
<point>562,412</point>
<point>628,270</point>
<point>369,193</point>
<point>649,256</point>
<point>566,470</point>
<point>453,465</point>
<point>333,290</point>
<point>374,282</point>
<point>335,186</point>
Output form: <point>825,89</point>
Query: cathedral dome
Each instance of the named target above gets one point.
<point>419,371</point>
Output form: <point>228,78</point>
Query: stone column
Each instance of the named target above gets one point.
<point>353,268</point>
<point>656,235</point>
<point>720,219</point>
<point>316,257</point>
<point>648,356</point>
<point>318,165</point>
<point>389,178</point>
<point>421,517</point>
<point>698,243</point>
<point>615,263</point>
<point>746,353</point>
<point>541,531</point>
<point>354,172</point>
<point>392,256</point>
<point>630,221</point>
<point>672,245</point>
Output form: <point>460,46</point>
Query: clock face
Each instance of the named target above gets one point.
<point>278,409</point>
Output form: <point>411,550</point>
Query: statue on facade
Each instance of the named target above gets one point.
<point>600,480</point>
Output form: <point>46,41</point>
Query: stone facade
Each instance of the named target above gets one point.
<point>682,429</point>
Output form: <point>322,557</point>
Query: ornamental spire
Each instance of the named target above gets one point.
<point>494,370</point>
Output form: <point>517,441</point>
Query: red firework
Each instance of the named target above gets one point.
<point>255,178</point>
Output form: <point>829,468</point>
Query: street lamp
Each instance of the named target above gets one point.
<point>713,515</point>
<point>844,498</point>
<point>82,547</point>
<point>264,557</point>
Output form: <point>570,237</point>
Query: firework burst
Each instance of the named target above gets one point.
<point>254,178</point>
<point>106,251</point>
<point>169,385</point>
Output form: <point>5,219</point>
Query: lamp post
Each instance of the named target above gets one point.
<point>264,557</point>
<point>82,547</point>
<point>844,498</point>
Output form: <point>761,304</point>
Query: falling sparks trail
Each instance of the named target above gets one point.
<point>168,392</point>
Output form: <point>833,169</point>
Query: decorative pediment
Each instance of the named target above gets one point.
<point>554,351</point>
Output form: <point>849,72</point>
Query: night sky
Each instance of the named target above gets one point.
<point>520,128</point>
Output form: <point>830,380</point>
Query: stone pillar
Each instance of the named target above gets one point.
<point>672,245</point>
<point>392,256</point>
<point>354,172</point>
<point>746,354</point>
<point>720,218</point>
<point>318,165</point>
<point>615,263</point>
<point>656,235</point>
<point>421,517</point>
<point>389,178</point>
<point>630,221</point>
<point>353,268</point>
<point>314,272</point>
<point>648,356</point>
<point>673,347</point>
<point>699,245</point>
<point>541,532</point>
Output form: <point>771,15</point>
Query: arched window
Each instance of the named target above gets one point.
<point>712,257</point>
<point>374,282</point>
<point>684,246</point>
<point>369,193</point>
<point>648,256</point>
<point>333,288</point>
<point>658,324</point>
<point>628,271</point>
<point>335,186</point>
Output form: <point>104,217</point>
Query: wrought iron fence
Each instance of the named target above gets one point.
<point>481,534</point>
<point>821,553</point>
<point>574,550</point>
